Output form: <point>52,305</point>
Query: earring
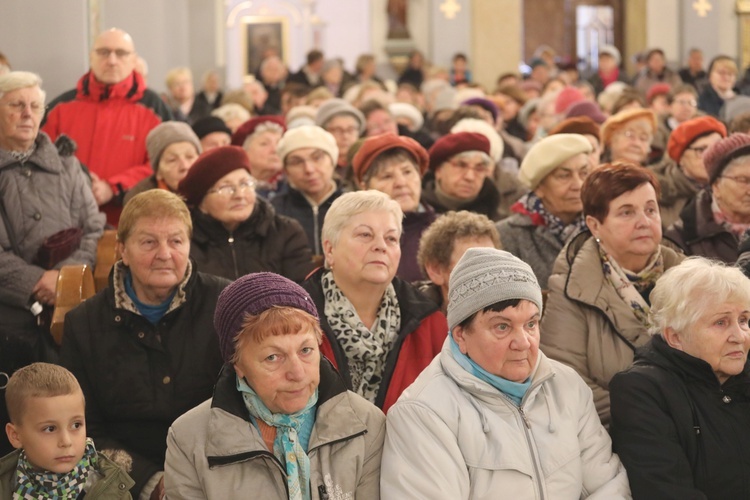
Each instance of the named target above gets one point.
<point>598,241</point>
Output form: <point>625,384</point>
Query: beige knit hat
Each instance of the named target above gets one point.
<point>307,136</point>
<point>547,154</point>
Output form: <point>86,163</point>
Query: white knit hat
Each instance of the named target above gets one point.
<point>307,136</point>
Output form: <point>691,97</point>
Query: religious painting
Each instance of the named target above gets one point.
<point>263,36</point>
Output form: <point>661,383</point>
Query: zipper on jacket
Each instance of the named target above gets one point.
<point>534,455</point>
<point>529,440</point>
<point>230,240</point>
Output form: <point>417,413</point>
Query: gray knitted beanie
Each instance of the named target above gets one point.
<point>252,294</point>
<point>166,134</point>
<point>485,276</point>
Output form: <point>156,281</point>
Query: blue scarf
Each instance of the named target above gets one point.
<point>514,390</point>
<point>292,438</point>
<point>152,313</point>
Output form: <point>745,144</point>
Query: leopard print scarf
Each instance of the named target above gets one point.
<point>366,350</point>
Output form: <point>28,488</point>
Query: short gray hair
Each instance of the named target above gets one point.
<point>348,205</point>
<point>678,300</point>
<point>20,80</point>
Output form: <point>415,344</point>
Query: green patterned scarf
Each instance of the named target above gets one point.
<point>35,484</point>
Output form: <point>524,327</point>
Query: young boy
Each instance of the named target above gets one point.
<point>53,457</point>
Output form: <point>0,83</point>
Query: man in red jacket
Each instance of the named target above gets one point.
<point>108,115</point>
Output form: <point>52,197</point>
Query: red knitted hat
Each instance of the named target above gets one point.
<point>208,169</point>
<point>372,147</point>
<point>718,156</point>
<point>566,98</point>
<point>252,294</point>
<point>247,128</point>
<point>688,132</point>
<point>656,90</point>
<point>450,145</point>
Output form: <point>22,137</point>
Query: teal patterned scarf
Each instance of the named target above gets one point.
<point>292,438</point>
<point>35,484</point>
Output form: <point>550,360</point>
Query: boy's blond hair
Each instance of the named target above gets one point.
<point>38,380</point>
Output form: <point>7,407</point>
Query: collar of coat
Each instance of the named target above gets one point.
<point>45,156</point>
<point>229,443</point>
<point>123,301</point>
<point>131,88</point>
<point>211,230</point>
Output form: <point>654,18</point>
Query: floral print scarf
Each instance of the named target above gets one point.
<point>532,206</point>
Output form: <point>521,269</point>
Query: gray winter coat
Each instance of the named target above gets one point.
<point>45,194</point>
<point>534,245</point>
<point>214,451</point>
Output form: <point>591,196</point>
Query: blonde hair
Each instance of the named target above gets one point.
<point>15,80</point>
<point>37,380</point>
<point>153,203</point>
<point>679,299</point>
<point>175,73</point>
<point>348,205</point>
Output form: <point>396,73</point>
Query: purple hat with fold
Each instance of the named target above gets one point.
<point>483,103</point>
<point>586,108</point>
<point>251,295</point>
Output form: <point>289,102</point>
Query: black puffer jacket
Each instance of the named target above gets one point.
<point>680,434</point>
<point>697,233</point>
<point>294,204</point>
<point>264,242</point>
<point>138,377</point>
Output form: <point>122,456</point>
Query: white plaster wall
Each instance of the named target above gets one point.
<point>349,28</point>
<point>663,18</point>
<point>450,35</point>
<point>49,38</point>
<point>728,33</point>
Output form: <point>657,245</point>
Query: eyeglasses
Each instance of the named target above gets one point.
<point>698,150</point>
<point>230,190</point>
<point>316,158</point>
<point>479,169</point>
<point>344,130</point>
<point>691,103</point>
<point>633,135</point>
<point>104,52</point>
<point>37,108</point>
<point>739,179</point>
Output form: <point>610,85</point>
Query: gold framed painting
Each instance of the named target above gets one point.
<point>263,36</point>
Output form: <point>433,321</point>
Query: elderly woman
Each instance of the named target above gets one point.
<point>682,174</point>
<point>212,132</point>
<point>144,348</point>
<point>492,416</point>
<point>395,165</point>
<point>308,154</point>
<point>346,123</point>
<point>259,138</point>
<point>553,170</point>
<point>43,191</point>
<point>444,243</point>
<point>461,175</point>
<point>680,413</point>
<point>172,148</point>
<point>713,221</point>
<point>281,421</point>
<point>722,75</point>
<point>597,307</point>
<point>380,331</point>
<point>234,231</point>
<point>627,136</point>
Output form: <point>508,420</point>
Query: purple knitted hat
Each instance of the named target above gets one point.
<point>252,294</point>
<point>718,156</point>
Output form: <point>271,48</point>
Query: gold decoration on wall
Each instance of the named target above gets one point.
<point>450,8</point>
<point>702,7</point>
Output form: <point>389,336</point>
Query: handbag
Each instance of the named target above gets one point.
<point>58,247</point>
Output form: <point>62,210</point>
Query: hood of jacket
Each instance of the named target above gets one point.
<point>131,88</point>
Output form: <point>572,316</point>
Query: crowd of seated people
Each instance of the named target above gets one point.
<point>331,284</point>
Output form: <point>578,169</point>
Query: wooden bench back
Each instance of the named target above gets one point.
<point>74,285</point>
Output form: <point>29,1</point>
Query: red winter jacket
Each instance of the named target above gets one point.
<point>423,331</point>
<point>109,124</point>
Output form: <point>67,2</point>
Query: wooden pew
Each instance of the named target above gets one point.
<point>106,256</point>
<point>74,285</point>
